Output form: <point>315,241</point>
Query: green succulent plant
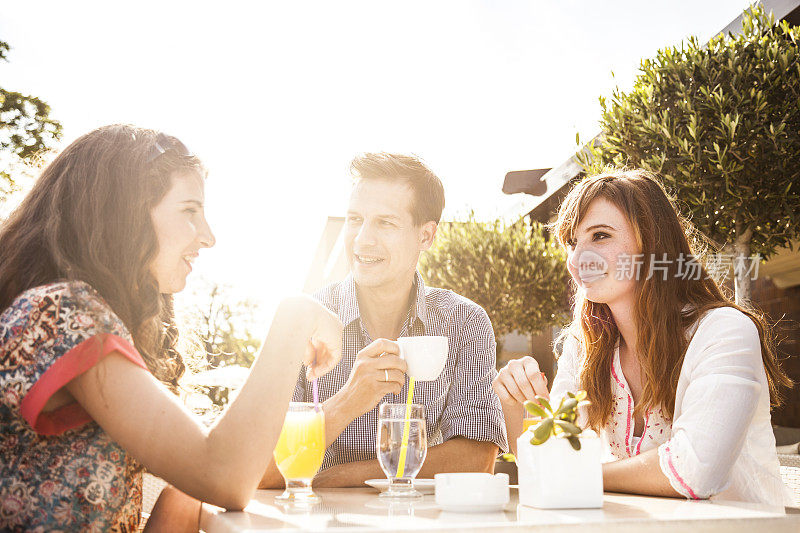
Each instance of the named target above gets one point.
<point>558,422</point>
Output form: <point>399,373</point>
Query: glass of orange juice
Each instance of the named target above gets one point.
<point>299,452</point>
<point>529,420</point>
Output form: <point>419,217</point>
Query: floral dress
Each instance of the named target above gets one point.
<point>59,471</point>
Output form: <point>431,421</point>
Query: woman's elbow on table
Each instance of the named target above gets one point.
<point>224,487</point>
<point>692,478</point>
<point>231,497</point>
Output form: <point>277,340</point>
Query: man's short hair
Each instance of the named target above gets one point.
<point>426,187</point>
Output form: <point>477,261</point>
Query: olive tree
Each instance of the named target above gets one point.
<point>721,124</point>
<point>514,272</point>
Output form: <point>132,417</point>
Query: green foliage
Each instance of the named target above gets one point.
<point>721,124</point>
<point>220,329</point>
<point>557,422</point>
<point>224,330</point>
<point>26,129</point>
<point>513,272</point>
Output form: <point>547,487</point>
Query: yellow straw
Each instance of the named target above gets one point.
<point>401,465</point>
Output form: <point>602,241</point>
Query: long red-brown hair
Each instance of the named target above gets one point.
<point>88,218</point>
<point>665,305</point>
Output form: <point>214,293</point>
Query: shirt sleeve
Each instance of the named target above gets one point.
<point>74,331</point>
<point>300,388</point>
<point>472,409</point>
<point>723,367</point>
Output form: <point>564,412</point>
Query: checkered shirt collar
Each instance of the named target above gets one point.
<point>348,303</point>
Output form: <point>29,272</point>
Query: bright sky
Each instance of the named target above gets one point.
<point>276,98</point>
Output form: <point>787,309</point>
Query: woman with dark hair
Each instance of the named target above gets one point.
<point>680,378</point>
<point>88,265</point>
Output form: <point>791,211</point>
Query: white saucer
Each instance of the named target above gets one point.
<point>424,486</point>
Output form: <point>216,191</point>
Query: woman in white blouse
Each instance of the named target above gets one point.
<point>680,378</point>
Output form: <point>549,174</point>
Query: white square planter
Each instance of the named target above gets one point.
<point>555,476</point>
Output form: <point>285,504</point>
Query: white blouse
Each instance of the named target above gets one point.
<point>720,443</point>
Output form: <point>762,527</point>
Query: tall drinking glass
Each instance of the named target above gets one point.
<point>402,445</point>
<point>529,420</point>
<point>299,452</point>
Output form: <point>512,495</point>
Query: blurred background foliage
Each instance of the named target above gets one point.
<point>221,334</point>
<point>26,131</point>
<point>515,272</point>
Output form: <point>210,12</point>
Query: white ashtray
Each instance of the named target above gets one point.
<point>422,485</point>
<point>472,492</point>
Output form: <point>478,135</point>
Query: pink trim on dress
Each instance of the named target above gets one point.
<point>678,477</point>
<point>75,362</point>
<point>628,417</point>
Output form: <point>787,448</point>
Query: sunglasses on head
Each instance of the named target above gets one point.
<point>165,144</point>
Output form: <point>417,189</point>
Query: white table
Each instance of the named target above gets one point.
<point>360,510</point>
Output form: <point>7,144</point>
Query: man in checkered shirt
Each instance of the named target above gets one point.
<point>394,209</point>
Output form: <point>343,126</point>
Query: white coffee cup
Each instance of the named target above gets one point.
<point>424,355</point>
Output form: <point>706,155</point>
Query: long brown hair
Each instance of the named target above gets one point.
<point>87,218</point>
<point>666,305</point>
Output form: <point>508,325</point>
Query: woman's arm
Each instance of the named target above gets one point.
<point>224,464</point>
<point>640,474</point>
